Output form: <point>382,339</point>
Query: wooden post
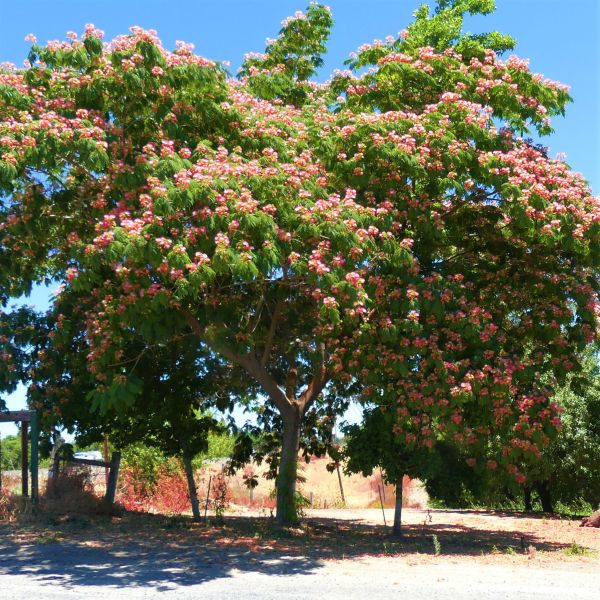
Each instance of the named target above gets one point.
<point>34,458</point>
<point>24,460</point>
<point>113,477</point>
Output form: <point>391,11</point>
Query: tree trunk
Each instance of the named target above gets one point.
<point>397,529</point>
<point>287,513</point>
<point>527,498</point>
<point>193,492</point>
<point>592,521</point>
<point>543,490</point>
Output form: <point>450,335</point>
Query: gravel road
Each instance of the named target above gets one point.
<point>61,571</point>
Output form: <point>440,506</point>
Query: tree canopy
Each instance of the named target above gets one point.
<point>390,231</point>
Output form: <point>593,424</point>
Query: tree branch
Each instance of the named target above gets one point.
<point>276,394</point>
<point>316,386</point>
<point>248,362</point>
<point>201,333</point>
<point>271,335</point>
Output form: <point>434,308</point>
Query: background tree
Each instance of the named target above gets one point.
<point>565,473</point>
<point>173,389</point>
<point>374,444</point>
<point>569,469</point>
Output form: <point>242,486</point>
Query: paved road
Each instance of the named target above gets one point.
<point>64,571</point>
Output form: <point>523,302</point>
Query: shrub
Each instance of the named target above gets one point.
<point>220,495</point>
<point>134,489</point>
<point>166,492</point>
<point>145,461</point>
<point>171,494</point>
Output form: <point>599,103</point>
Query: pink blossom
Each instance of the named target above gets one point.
<point>222,240</point>
<point>354,279</point>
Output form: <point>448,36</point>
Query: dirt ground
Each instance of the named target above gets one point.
<point>344,554</point>
<point>482,536</point>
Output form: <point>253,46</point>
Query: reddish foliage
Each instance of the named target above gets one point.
<point>171,495</point>
<point>133,491</point>
<point>168,495</point>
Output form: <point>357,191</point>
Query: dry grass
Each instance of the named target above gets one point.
<point>321,486</point>
<point>473,537</point>
<point>72,492</point>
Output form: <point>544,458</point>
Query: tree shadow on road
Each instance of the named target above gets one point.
<point>161,566</point>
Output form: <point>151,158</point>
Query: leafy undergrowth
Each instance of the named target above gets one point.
<point>323,538</point>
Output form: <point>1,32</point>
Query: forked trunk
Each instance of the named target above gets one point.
<point>287,512</point>
<point>397,529</point>
<point>193,492</point>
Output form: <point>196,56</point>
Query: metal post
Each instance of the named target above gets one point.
<point>207,497</point>
<point>34,458</point>
<point>382,509</point>
<point>337,468</point>
<point>24,460</point>
<point>382,483</point>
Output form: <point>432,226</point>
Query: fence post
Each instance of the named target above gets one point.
<point>24,460</point>
<point>34,458</point>
<point>113,476</point>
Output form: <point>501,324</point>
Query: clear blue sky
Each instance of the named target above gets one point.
<point>561,38</point>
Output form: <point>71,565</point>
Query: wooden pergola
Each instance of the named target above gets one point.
<point>28,420</point>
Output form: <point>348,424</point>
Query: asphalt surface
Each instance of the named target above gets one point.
<point>63,571</point>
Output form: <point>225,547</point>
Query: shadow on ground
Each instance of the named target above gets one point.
<point>162,553</point>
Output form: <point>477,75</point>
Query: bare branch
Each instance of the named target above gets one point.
<point>276,394</point>
<point>201,333</point>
